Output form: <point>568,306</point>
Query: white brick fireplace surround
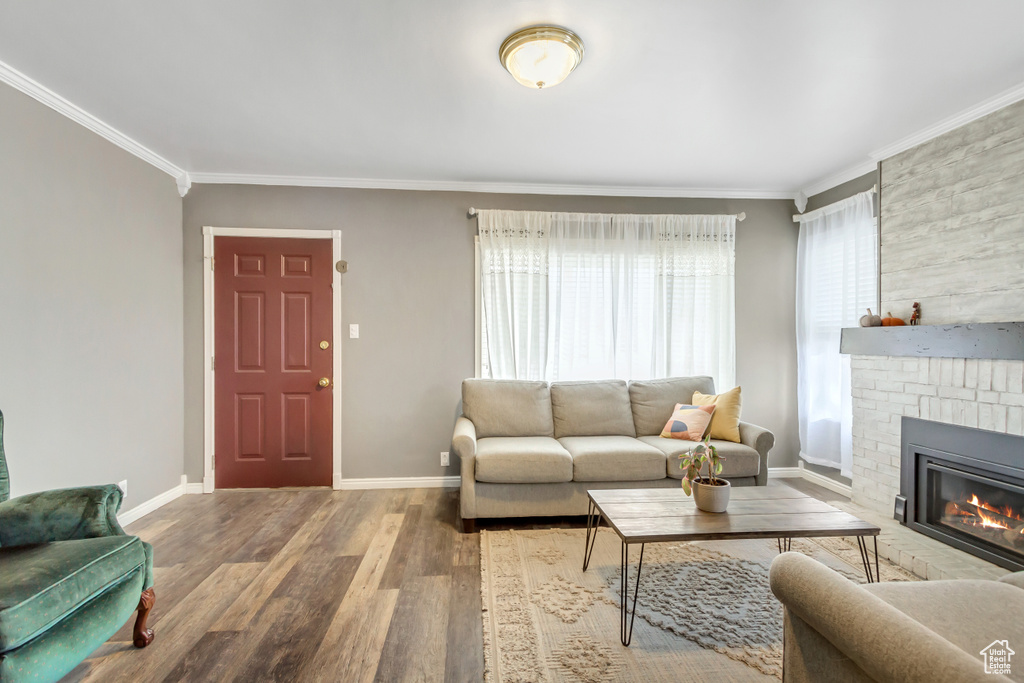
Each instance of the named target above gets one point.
<point>988,394</point>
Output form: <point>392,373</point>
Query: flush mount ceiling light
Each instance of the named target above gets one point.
<point>541,56</point>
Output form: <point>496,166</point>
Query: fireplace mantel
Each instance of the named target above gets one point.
<point>995,341</point>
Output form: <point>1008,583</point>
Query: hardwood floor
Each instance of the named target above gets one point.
<point>312,585</point>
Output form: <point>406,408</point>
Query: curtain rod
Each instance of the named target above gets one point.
<point>740,216</point>
<point>798,216</point>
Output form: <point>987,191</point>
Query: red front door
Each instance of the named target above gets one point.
<point>273,316</point>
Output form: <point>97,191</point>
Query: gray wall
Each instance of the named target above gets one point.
<point>91,308</point>
<point>953,224</point>
<point>841,192</point>
<point>410,288</point>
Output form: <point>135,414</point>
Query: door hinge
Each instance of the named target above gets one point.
<point>213,362</point>
<point>211,263</point>
<point>213,460</point>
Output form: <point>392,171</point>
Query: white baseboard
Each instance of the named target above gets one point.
<point>157,502</point>
<point>401,483</point>
<point>784,473</point>
<point>825,482</point>
<point>192,488</point>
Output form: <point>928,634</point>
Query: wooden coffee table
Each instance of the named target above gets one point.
<point>657,515</point>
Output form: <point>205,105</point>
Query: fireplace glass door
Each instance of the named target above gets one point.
<point>978,509</point>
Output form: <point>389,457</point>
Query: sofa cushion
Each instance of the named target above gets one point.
<point>42,583</point>
<point>499,407</point>
<point>613,458</point>
<point>654,400</point>
<point>522,460</point>
<point>984,611</point>
<point>591,409</point>
<point>738,460</point>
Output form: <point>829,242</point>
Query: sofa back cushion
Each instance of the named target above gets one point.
<point>502,407</point>
<point>592,409</point>
<point>654,400</point>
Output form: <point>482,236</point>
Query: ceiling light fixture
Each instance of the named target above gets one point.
<point>541,56</point>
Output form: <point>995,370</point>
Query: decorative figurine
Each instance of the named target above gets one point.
<point>915,317</point>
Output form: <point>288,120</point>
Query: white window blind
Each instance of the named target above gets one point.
<point>837,280</point>
<point>591,296</point>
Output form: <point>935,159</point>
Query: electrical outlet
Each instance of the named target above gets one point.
<point>353,331</point>
<point>123,485</point>
<point>444,458</point>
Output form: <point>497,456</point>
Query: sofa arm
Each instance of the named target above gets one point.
<point>61,515</point>
<point>883,641</point>
<point>464,439</point>
<point>464,445</point>
<point>761,440</point>
<point>1014,579</point>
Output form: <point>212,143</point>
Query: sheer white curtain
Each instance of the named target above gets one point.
<point>592,296</point>
<point>837,279</point>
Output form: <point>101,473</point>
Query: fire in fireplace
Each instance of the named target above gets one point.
<point>965,487</point>
<point>998,525</point>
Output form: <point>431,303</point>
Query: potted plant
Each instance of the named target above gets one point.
<point>710,493</point>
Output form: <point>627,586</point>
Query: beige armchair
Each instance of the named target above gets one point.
<point>898,632</point>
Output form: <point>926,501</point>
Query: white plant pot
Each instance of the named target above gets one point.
<point>711,498</point>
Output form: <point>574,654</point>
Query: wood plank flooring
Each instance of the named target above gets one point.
<point>312,585</point>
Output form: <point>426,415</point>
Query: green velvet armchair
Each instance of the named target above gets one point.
<point>69,578</point>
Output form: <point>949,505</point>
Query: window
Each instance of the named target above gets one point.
<point>837,280</point>
<point>592,296</point>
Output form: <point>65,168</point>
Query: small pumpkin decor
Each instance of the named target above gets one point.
<point>710,493</point>
<point>870,320</point>
<point>890,321</point>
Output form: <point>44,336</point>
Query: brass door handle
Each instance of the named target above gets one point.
<point>324,382</point>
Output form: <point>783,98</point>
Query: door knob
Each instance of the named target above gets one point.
<point>324,382</point>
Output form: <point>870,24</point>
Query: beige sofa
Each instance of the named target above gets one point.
<point>533,449</point>
<point>903,632</point>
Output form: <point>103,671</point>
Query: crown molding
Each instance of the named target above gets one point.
<point>501,188</point>
<point>41,93</point>
<point>835,179</point>
<point>184,179</point>
<point>984,108</point>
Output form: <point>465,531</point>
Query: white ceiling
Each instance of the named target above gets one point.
<point>741,96</point>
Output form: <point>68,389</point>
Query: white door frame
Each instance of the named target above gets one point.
<point>209,233</point>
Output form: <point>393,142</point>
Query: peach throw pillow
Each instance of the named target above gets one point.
<point>688,422</point>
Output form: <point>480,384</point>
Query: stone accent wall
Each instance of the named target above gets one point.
<point>952,237</point>
<point>952,224</point>
<point>988,394</point>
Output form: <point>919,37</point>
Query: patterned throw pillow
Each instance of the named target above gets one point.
<point>688,422</point>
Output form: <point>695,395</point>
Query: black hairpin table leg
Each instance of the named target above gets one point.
<point>593,522</point>
<point>865,558</point>
<point>625,615</point>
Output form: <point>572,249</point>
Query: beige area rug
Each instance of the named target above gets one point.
<point>705,612</point>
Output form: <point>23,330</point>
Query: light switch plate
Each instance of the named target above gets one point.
<point>353,331</point>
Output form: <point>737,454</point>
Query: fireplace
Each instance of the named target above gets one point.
<point>965,487</point>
